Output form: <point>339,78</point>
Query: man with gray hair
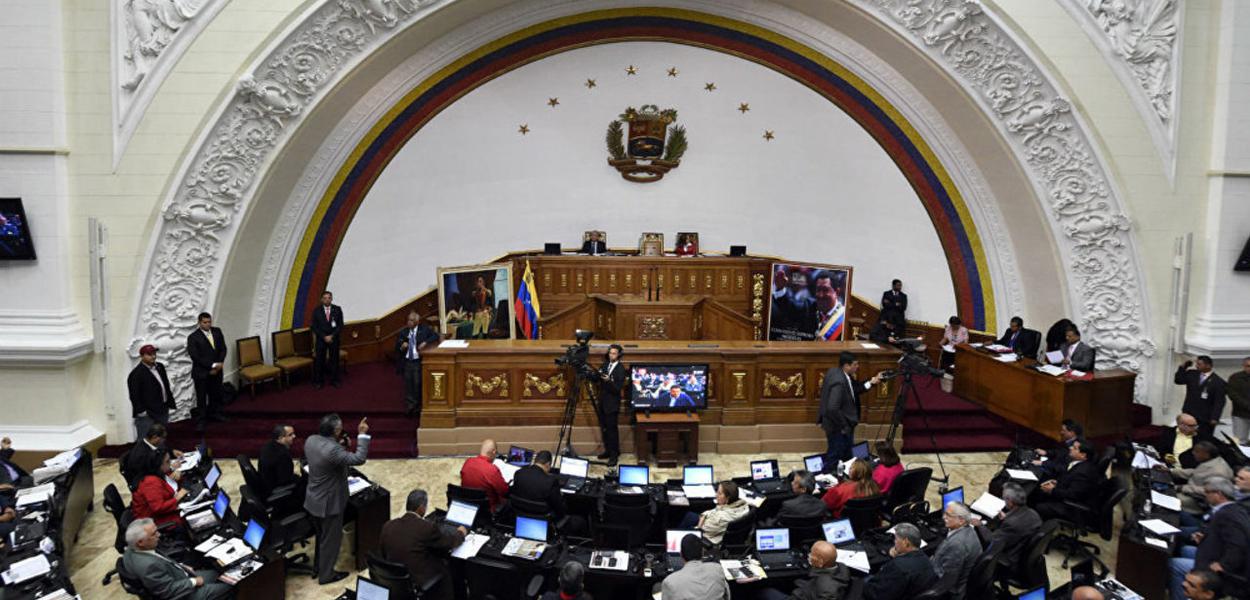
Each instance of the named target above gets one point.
<point>421,545</point>
<point>162,577</point>
<point>1223,544</point>
<point>326,496</point>
<point>908,574</point>
<point>1018,523</point>
<point>957,553</point>
<point>804,506</point>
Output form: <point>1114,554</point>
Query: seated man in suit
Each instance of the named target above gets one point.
<point>884,332</point>
<point>1223,543</point>
<point>1057,459</point>
<point>8,517</point>
<point>1017,523</point>
<point>276,468</point>
<point>696,580</point>
<point>1024,342</point>
<point>571,583</point>
<point>594,244</point>
<point>804,506</point>
<point>145,455</point>
<point>535,482</point>
<point>907,574</point>
<point>1079,483</point>
<point>1077,355</point>
<point>162,577</point>
<point>1210,465</point>
<point>421,545</point>
<point>1176,445</point>
<point>957,553</point>
<point>11,476</point>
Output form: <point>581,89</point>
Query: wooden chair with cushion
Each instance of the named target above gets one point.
<point>252,367</point>
<point>284,356</point>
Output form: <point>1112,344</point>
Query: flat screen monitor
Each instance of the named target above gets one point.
<point>772,540</point>
<point>814,463</point>
<point>368,590</point>
<point>461,513</point>
<point>254,535</point>
<point>520,456</point>
<point>221,505</point>
<point>1035,594</point>
<point>860,450</point>
<point>954,495</point>
<point>673,538</point>
<point>210,480</point>
<point>574,467</point>
<point>634,474</point>
<point>839,532</point>
<point>697,475</point>
<point>16,242</point>
<point>763,469</point>
<point>670,387</point>
<point>531,529</point>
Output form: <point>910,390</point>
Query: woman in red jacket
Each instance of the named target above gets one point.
<point>889,467</point>
<point>859,484</point>
<point>157,496</point>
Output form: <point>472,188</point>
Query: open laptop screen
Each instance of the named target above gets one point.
<point>634,474</point>
<point>673,538</point>
<point>697,475</point>
<point>814,463</point>
<point>254,535</point>
<point>839,532</point>
<point>221,504</point>
<point>860,450</point>
<point>461,513</point>
<point>954,495</point>
<point>772,540</point>
<point>520,456</point>
<point>531,529</point>
<point>574,467</point>
<point>763,469</point>
<point>368,590</point>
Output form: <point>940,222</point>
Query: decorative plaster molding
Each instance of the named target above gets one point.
<point>1054,146</point>
<point>42,338</point>
<point>1219,336</point>
<point>148,38</point>
<point>1141,40</point>
<point>54,438</point>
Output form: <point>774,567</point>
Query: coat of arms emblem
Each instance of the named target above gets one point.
<point>654,145</point>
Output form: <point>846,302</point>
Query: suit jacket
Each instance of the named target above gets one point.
<point>1026,343</point>
<point>803,507</point>
<point>1198,476</point>
<point>1205,410</point>
<point>892,303</point>
<point>532,483</point>
<point>425,335</point>
<point>204,355</point>
<point>155,500</point>
<point>901,578</point>
<point>593,247</point>
<point>146,392</point>
<point>830,583</point>
<point>1082,358</point>
<point>276,468</point>
<point>1227,534</point>
<point>6,459</point>
<point>1238,390</point>
<point>954,559</point>
<point>1016,529</point>
<point>696,580</point>
<point>1055,335</point>
<point>321,326</point>
<point>328,466</point>
<point>881,335</point>
<point>839,402</point>
<point>1168,439</point>
<point>1079,483</point>
<point>161,577</point>
<point>610,390</point>
<point>422,546</point>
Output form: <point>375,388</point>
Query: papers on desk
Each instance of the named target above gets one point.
<point>677,498</point>
<point>948,348</point>
<point>235,574</point>
<point>1141,460</point>
<point>523,548</point>
<point>743,571</point>
<point>1052,370</point>
<point>508,470</point>
<point>232,550</point>
<point>1006,358</point>
<point>60,594</point>
<point>855,559</point>
<point>1153,541</point>
<point>1055,357</point>
<point>997,348</point>
<point>471,545</point>
<point>1076,373</point>
<point>609,560</point>
<point>699,491</point>
<point>976,344</point>
<point>454,344</point>
<point>42,474</point>
<point>65,459</point>
<point>989,505</point>
<point>35,495</point>
<point>751,498</point>
<point>355,485</point>
<point>210,543</point>
<point>25,570</point>
<point>1159,527</point>
<point>868,346</point>
<point>189,460</point>
<point>827,480</point>
<point>1021,475</point>
<point>844,466</point>
<point>1165,501</point>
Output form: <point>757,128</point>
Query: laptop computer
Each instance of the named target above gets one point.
<point>839,532</point>
<point>953,495</point>
<point>1034,594</point>
<point>368,590</point>
<point>573,471</point>
<point>672,546</point>
<point>639,475</point>
<point>814,463</point>
<point>765,477</point>
<point>861,451</point>
<point>773,548</point>
<point>530,539</point>
<point>203,520</point>
<point>520,456</point>
<point>195,488</point>
<point>461,513</point>
<point>697,481</point>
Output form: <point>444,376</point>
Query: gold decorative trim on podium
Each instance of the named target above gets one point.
<point>793,382</point>
<point>740,387</point>
<point>653,328</point>
<point>544,386</point>
<point>486,386</point>
<point>757,303</point>
<point>438,392</point>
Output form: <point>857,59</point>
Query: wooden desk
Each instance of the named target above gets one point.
<point>1040,401</point>
<point>676,438</point>
<point>266,583</point>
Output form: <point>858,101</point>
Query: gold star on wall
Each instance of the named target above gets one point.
<point>711,87</point>
<point>553,102</point>
<point>744,107</point>
<point>672,71</point>
<point>523,129</point>
<point>631,70</point>
<point>590,83</point>
<point>768,135</point>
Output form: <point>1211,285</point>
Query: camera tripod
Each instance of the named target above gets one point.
<point>582,385</point>
<point>908,389</point>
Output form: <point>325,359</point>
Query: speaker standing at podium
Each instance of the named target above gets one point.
<point>611,380</point>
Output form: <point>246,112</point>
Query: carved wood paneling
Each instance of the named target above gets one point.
<point>544,385</point>
<point>479,385</point>
<point>788,384</point>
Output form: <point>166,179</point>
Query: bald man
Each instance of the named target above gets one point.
<point>828,579</point>
<point>480,472</point>
<point>1086,592</point>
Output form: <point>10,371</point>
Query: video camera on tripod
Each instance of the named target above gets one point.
<point>911,363</point>
<point>576,357</point>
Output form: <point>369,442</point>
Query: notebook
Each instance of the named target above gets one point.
<point>814,463</point>
<point>860,450</point>
<point>953,495</point>
<point>672,546</point>
<point>575,471</point>
<point>520,456</point>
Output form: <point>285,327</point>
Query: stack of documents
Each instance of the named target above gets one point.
<point>356,485</point>
<point>989,505</point>
<point>855,559</point>
<point>35,495</point>
<point>1052,370</point>
<point>743,571</point>
<point>470,546</point>
<point>25,570</point>
<point>508,470</point>
<point>1141,460</point>
<point>229,552</point>
<point>189,460</point>
<point>1021,475</point>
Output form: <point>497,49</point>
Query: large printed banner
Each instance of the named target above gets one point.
<point>809,302</point>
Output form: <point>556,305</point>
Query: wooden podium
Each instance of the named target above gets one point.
<point>669,438</point>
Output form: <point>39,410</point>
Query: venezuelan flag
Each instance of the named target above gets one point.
<point>832,331</point>
<point>526,306</point>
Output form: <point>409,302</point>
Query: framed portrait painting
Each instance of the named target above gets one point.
<point>809,302</point>
<point>475,302</point>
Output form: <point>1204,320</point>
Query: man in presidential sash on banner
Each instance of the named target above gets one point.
<point>527,310</point>
<point>829,309</point>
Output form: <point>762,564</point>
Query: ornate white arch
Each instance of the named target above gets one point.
<point>201,214</point>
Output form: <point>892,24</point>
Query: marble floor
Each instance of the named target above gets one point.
<point>93,555</point>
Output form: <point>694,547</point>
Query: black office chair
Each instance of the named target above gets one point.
<point>803,532</point>
<point>133,585</point>
<point>909,487</point>
<point>472,496</point>
<point>981,579</point>
<point>115,506</point>
<point>864,513</point>
<point>1030,572</point>
<point>1087,519</point>
<point>738,534</point>
<point>624,520</point>
<point>492,579</point>
<point>281,501</point>
<point>537,509</point>
<point>395,577</point>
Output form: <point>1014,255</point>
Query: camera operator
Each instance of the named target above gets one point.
<point>611,381</point>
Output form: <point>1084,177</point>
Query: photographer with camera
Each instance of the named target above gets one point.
<point>611,380</point>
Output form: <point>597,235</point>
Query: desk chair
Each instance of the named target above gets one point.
<point>133,585</point>
<point>1088,519</point>
<point>472,496</point>
<point>624,520</point>
<point>115,506</point>
<point>803,532</point>
<point>497,580</point>
<point>1030,572</point>
<point>864,513</point>
<point>538,510</point>
<point>908,488</point>
<point>284,532</point>
<point>739,534</point>
<point>281,501</point>
<point>396,578</point>
<point>981,579</point>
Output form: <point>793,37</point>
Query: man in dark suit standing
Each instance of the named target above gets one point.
<point>1024,342</point>
<point>421,545</point>
<point>1204,393</point>
<point>894,305</point>
<point>151,396</point>
<point>276,468</point>
<point>326,496</point>
<point>536,483</point>
<point>1078,483</point>
<point>611,382</point>
<point>839,406</point>
<point>207,348</point>
<point>409,344</point>
<point>327,323</point>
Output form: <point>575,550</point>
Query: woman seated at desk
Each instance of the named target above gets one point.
<point>858,484</point>
<point>157,496</point>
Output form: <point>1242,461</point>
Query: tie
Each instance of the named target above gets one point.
<point>412,344</point>
<point>327,314</point>
<point>211,343</point>
<point>1013,339</point>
